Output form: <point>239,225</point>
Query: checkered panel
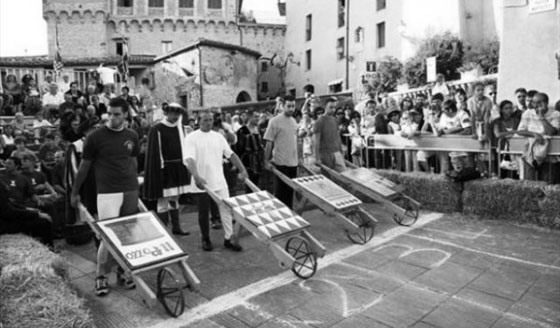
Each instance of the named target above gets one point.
<point>328,191</point>
<point>267,213</point>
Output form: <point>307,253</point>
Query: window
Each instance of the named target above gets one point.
<point>155,3</point>
<point>124,3</point>
<point>381,35</point>
<point>214,4</point>
<point>335,88</point>
<point>264,87</point>
<point>264,66</point>
<point>340,48</point>
<point>381,4</point>
<point>166,46</point>
<point>358,35</point>
<point>308,59</point>
<point>341,12</point>
<point>186,3</point>
<point>119,47</point>
<point>308,23</point>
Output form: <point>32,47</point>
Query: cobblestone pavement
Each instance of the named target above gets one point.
<point>446,271</point>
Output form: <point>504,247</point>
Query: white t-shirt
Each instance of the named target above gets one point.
<point>107,75</point>
<point>208,149</point>
<point>43,123</point>
<point>55,100</point>
<point>460,120</point>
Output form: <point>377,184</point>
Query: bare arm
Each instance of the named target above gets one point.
<point>191,165</point>
<point>317,139</point>
<point>80,179</point>
<point>239,165</point>
<point>268,154</point>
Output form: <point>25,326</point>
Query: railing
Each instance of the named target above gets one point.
<point>427,89</point>
<point>452,143</point>
<point>82,76</point>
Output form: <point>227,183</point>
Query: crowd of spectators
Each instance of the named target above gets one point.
<point>35,163</point>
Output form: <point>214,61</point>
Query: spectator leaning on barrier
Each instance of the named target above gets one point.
<point>504,127</point>
<point>480,109</point>
<point>541,121</point>
<point>453,121</point>
<point>530,95</point>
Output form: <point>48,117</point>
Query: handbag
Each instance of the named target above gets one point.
<point>506,162</point>
<point>535,152</point>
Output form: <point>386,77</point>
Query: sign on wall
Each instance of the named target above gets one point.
<point>431,69</point>
<point>371,66</point>
<point>539,6</point>
<point>140,239</point>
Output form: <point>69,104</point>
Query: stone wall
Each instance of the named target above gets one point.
<point>225,74</point>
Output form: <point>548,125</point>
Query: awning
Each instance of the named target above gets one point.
<point>334,82</point>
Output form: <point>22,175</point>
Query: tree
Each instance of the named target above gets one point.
<point>448,50</point>
<point>389,71</point>
<point>485,55</point>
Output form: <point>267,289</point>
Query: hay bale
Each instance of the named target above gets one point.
<point>505,199</point>
<point>24,251</point>
<point>34,291</point>
<point>36,299</point>
<point>550,207</point>
<point>433,191</point>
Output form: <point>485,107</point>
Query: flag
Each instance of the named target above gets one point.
<point>123,66</point>
<point>57,62</point>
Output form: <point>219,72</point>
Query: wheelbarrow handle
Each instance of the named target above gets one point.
<point>251,185</point>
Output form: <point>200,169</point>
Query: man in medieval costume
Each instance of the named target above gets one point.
<point>166,175</point>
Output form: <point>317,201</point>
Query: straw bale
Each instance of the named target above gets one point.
<point>433,191</point>
<point>36,299</point>
<point>24,251</point>
<point>504,199</point>
<point>550,207</point>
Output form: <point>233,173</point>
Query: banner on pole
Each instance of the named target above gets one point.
<point>431,69</point>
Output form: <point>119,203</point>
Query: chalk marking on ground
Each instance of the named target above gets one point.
<point>346,311</point>
<point>421,287</point>
<point>240,296</point>
<point>466,235</point>
<point>503,257</point>
<point>446,255</point>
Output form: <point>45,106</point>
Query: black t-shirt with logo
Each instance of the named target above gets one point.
<point>36,178</point>
<point>113,156</point>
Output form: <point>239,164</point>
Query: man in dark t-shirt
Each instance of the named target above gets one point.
<point>112,151</point>
<point>328,148</point>
<point>20,189</point>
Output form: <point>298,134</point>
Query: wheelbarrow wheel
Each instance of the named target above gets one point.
<point>411,214</point>
<point>305,260</point>
<point>170,292</point>
<point>365,230</point>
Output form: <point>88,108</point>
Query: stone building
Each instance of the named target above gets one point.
<point>97,28</point>
<point>331,42</point>
<point>206,74</point>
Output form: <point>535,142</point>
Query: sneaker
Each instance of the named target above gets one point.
<point>101,286</point>
<point>234,247</point>
<point>125,280</point>
<point>207,245</point>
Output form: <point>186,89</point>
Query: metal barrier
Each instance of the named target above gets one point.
<point>517,145</point>
<point>427,142</point>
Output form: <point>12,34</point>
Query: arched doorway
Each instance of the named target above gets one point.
<point>309,88</point>
<point>243,96</point>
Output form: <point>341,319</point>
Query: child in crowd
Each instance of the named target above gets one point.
<point>394,126</point>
